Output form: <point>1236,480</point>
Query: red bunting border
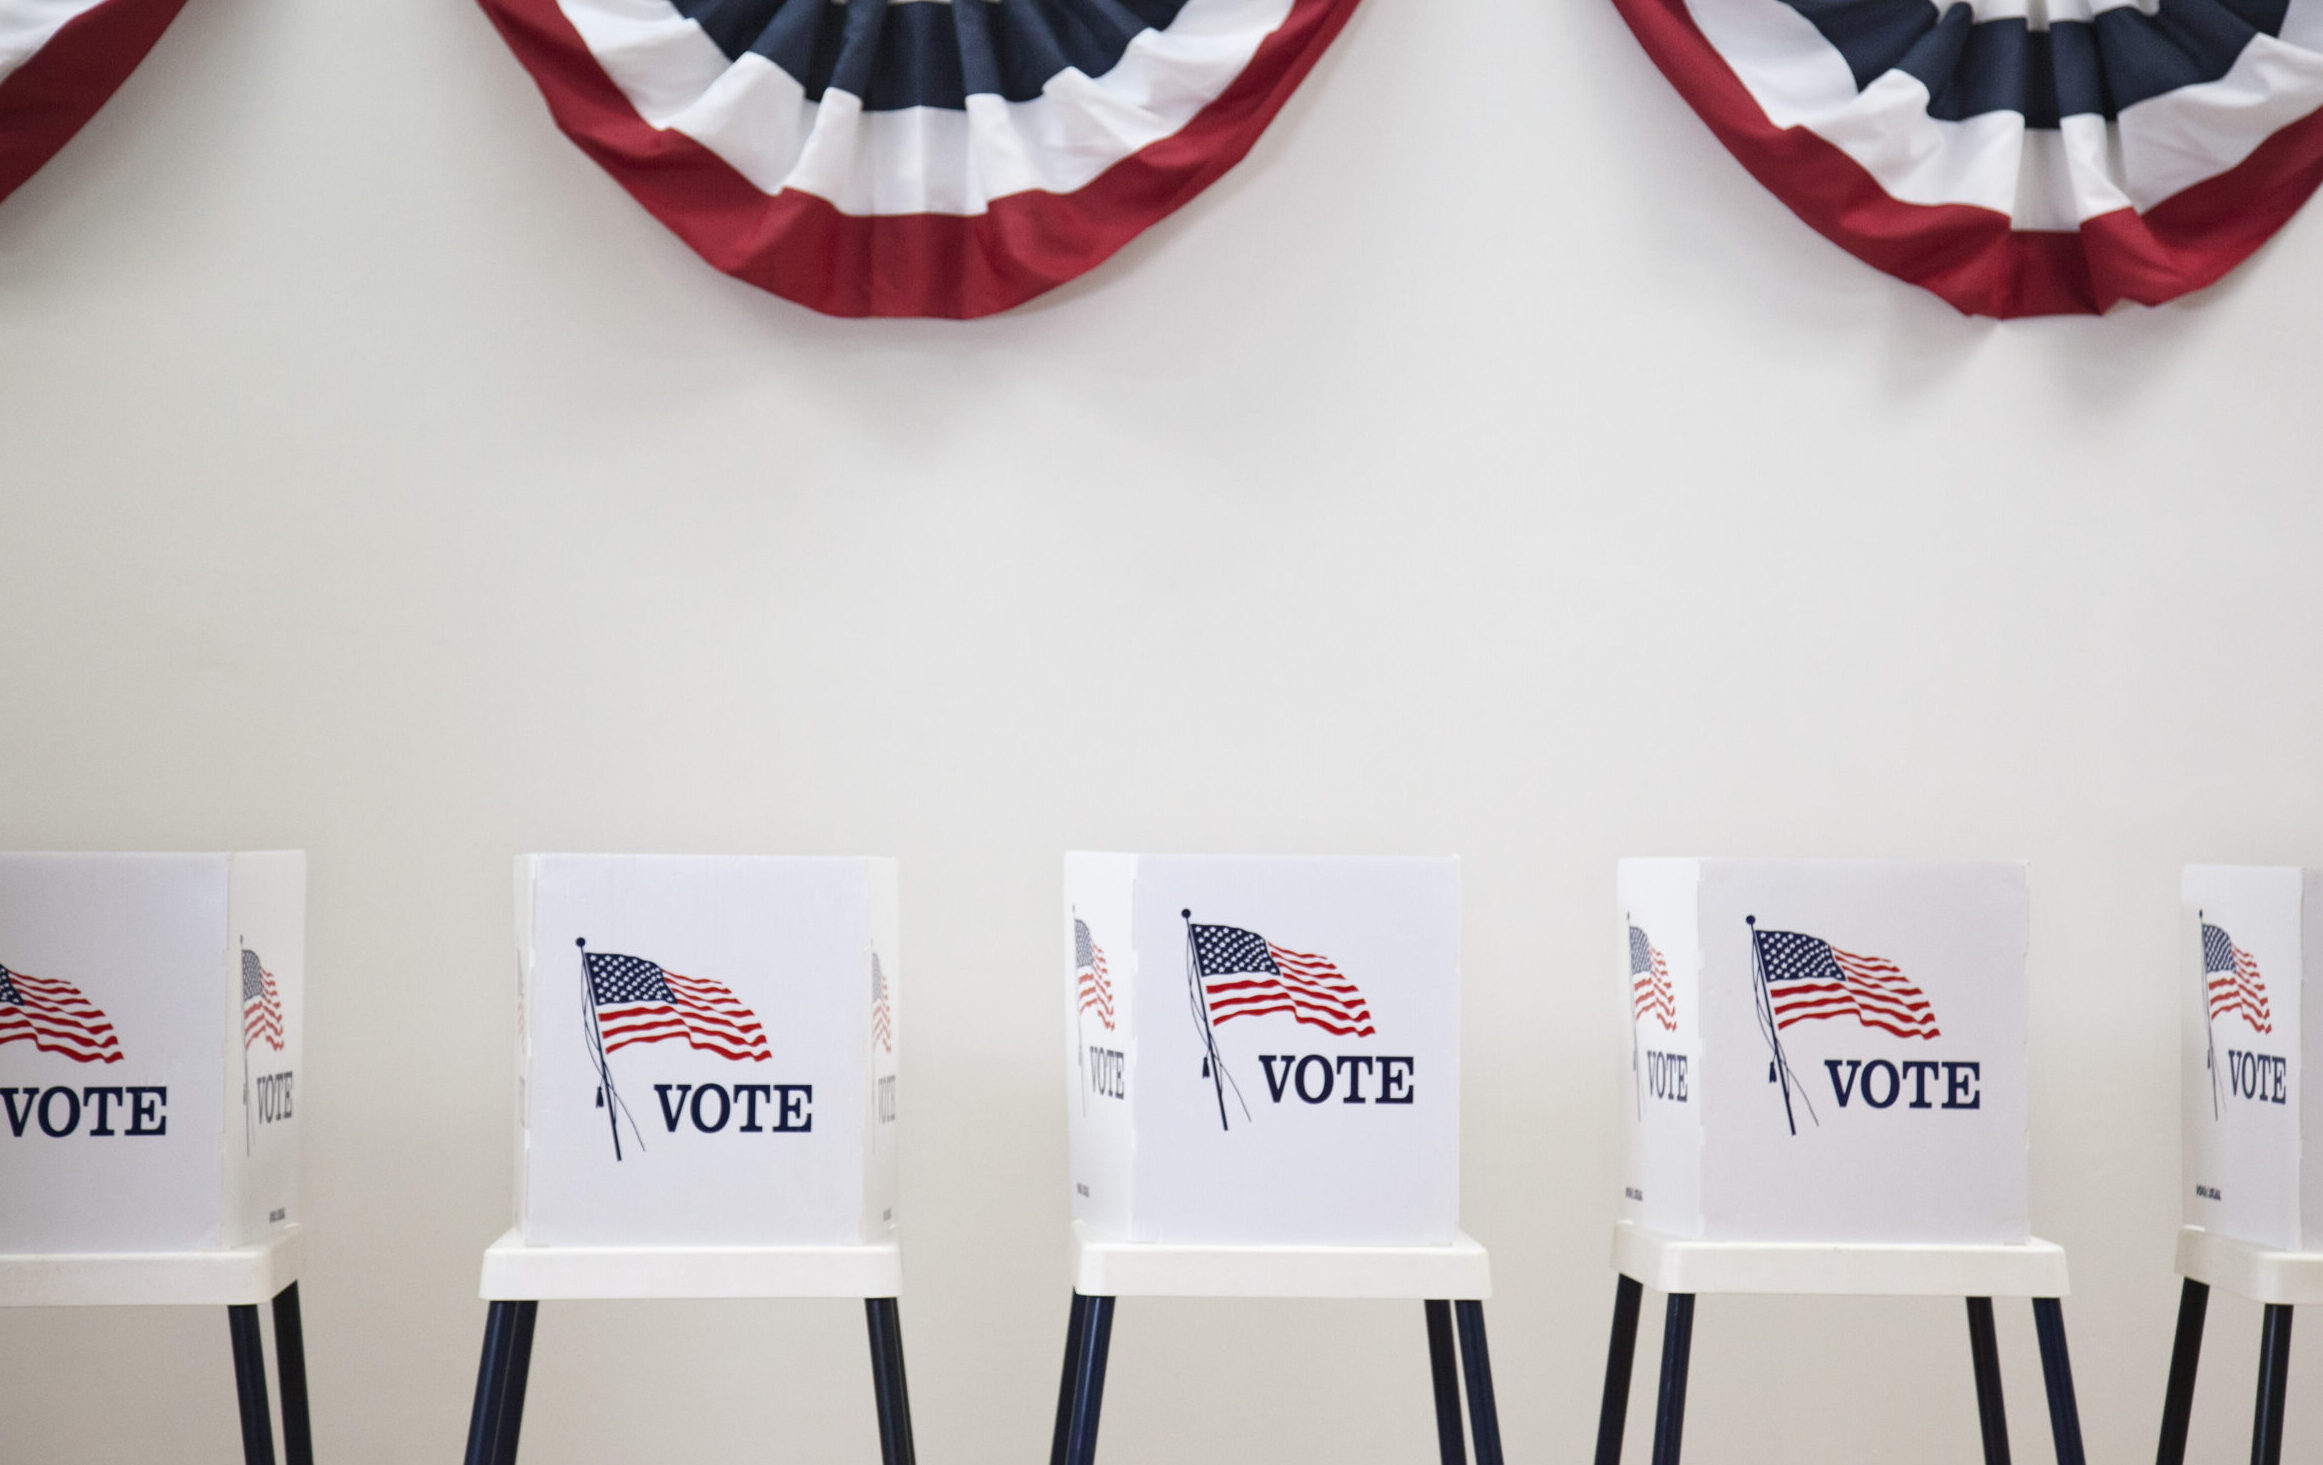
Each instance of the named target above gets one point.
<point>1970,256</point>
<point>803,248</point>
<point>60,87</point>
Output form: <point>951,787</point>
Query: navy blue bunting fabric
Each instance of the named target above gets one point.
<point>2015,157</point>
<point>915,157</point>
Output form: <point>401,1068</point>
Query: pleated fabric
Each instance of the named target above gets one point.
<point>914,157</point>
<point>2013,156</point>
<point>59,61</point>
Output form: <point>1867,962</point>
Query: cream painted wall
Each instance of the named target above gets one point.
<point>1487,466</point>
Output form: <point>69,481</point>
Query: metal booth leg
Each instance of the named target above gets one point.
<point>511,1417</point>
<point>2057,1373</point>
<point>1075,1326</point>
<point>2185,1357</point>
<point>492,1382</point>
<point>1444,1371</point>
<point>888,1389</point>
<point>1089,1381</point>
<point>1476,1360</point>
<point>290,1372</point>
<point>1620,1356</point>
<point>1984,1359</point>
<point>2274,1381</point>
<point>250,1384</point>
<point>1670,1408</point>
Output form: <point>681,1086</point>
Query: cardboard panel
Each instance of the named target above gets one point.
<point>699,1041</point>
<point>127,1125</point>
<point>1853,1055</point>
<point>2242,1090</point>
<point>1289,1034</point>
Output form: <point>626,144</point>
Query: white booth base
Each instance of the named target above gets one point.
<point>1673,1264</point>
<point>2282,1278</point>
<point>242,1276</point>
<point>1684,1269</point>
<point>518,1278</point>
<point>2279,1279</point>
<point>514,1271</point>
<point>1107,1266</point>
<point>1451,1281</point>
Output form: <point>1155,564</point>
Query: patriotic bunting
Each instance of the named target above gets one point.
<point>59,61</point>
<point>2013,157</point>
<point>914,157</point>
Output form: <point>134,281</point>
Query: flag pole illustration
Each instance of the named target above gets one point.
<point>608,1097</point>
<point>261,1018</point>
<point>1778,1068</point>
<point>1255,977</point>
<point>1213,1067</point>
<point>1080,1005</point>
<point>2209,1018</point>
<point>632,1000</point>
<point>249,1122</point>
<point>1636,1073</point>
<point>1092,987</point>
<point>2231,982</point>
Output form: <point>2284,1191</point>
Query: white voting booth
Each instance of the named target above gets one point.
<point>2251,1132</point>
<point>1263,1077</point>
<point>706,1100</point>
<point>1827,1094</point>
<point>151,1020</point>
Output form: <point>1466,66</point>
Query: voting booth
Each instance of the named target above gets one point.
<point>151,1021</point>
<point>707,1100</point>
<point>2251,1133</point>
<point>1263,1098</point>
<point>1827,1094</point>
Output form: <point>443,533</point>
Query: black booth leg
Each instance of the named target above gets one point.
<point>2057,1373</point>
<point>499,1407</point>
<point>2185,1358</point>
<point>1476,1362</point>
<point>1076,1324</point>
<point>511,1417</point>
<point>1088,1380</point>
<point>2274,1382</point>
<point>888,1389</point>
<point>290,1372</point>
<point>250,1384</point>
<point>1620,1357</point>
<point>1670,1407</point>
<point>1444,1372</point>
<point>1984,1359</point>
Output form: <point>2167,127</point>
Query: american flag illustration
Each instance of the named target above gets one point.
<point>1096,988</point>
<point>1808,978</point>
<point>1649,983</point>
<point>54,1017</point>
<point>261,1004</point>
<point>637,1001</point>
<point>2232,977</point>
<point>1245,975</point>
<point>882,1016</point>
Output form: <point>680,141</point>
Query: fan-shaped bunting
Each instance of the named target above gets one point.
<point>59,61</point>
<point>914,157</point>
<point>2015,157</point>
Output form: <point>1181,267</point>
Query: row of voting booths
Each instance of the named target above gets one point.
<point>1828,1084</point>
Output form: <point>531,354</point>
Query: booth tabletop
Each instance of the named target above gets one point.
<point>1107,1266</point>
<point>514,1271</point>
<point>2032,1268</point>
<point>227,1276</point>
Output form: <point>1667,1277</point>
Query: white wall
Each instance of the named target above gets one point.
<point>1487,466</point>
